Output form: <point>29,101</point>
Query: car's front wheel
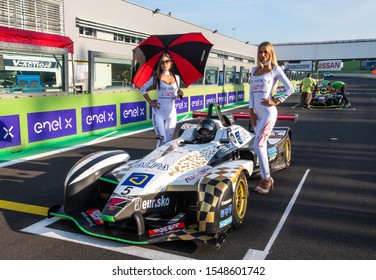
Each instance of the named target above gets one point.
<point>239,204</point>
<point>287,157</point>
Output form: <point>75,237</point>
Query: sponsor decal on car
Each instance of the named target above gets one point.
<point>242,136</point>
<point>277,133</point>
<point>154,165</point>
<point>272,153</point>
<point>95,214</point>
<point>167,229</point>
<point>226,201</point>
<point>240,140</point>
<point>92,216</point>
<point>119,202</point>
<point>196,175</point>
<point>138,180</point>
<point>226,222</point>
<point>226,211</point>
<point>158,202</point>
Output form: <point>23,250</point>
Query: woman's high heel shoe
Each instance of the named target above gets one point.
<point>259,185</point>
<point>266,186</point>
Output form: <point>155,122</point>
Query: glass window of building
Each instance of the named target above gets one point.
<point>112,73</point>
<point>23,72</point>
<point>230,75</point>
<point>87,31</point>
<point>211,75</point>
<point>245,75</point>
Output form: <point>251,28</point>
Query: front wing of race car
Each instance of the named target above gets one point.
<point>88,221</point>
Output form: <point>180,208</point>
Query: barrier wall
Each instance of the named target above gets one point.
<point>31,121</point>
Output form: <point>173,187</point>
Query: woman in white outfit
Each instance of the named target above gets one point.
<point>163,110</point>
<point>262,106</point>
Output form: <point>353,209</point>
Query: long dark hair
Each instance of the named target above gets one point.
<point>160,70</point>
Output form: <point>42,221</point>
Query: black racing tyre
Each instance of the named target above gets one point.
<point>287,155</point>
<point>239,201</point>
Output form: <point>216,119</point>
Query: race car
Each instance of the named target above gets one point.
<point>327,99</point>
<point>183,190</point>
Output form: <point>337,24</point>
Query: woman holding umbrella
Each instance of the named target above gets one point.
<point>163,110</point>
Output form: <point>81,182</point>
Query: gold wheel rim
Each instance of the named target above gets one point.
<point>288,151</point>
<point>241,198</point>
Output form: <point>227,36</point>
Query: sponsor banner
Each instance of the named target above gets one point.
<point>197,102</point>
<point>330,65</point>
<point>52,124</point>
<point>10,134</point>
<point>132,112</point>
<point>304,66</point>
<point>210,98</point>
<point>98,117</point>
<point>181,105</point>
<point>222,98</point>
<point>29,63</point>
<point>240,96</point>
<point>231,97</point>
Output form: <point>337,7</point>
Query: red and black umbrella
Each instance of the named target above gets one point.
<point>189,52</point>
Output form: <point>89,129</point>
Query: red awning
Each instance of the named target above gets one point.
<point>19,36</point>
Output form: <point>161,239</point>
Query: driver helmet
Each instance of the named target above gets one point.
<point>206,130</point>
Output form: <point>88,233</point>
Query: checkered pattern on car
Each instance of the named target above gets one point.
<point>215,183</point>
<point>189,234</point>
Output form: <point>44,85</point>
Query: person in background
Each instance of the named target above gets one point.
<point>308,86</point>
<point>263,107</point>
<point>163,110</point>
<point>339,85</point>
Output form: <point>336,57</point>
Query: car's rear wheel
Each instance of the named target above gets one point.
<point>287,157</point>
<point>240,201</point>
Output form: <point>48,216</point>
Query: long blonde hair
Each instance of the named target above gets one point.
<point>272,60</point>
<point>272,56</point>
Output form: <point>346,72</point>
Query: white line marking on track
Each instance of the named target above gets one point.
<point>261,255</point>
<point>40,228</point>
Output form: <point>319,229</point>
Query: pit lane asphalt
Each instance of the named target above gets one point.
<point>333,217</point>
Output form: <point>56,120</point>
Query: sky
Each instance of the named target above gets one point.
<point>277,21</point>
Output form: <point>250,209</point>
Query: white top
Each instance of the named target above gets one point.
<point>165,91</point>
<point>261,86</point>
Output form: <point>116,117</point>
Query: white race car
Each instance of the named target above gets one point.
<point>192,188</point>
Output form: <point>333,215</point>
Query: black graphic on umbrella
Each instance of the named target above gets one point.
<point>188,51</point>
